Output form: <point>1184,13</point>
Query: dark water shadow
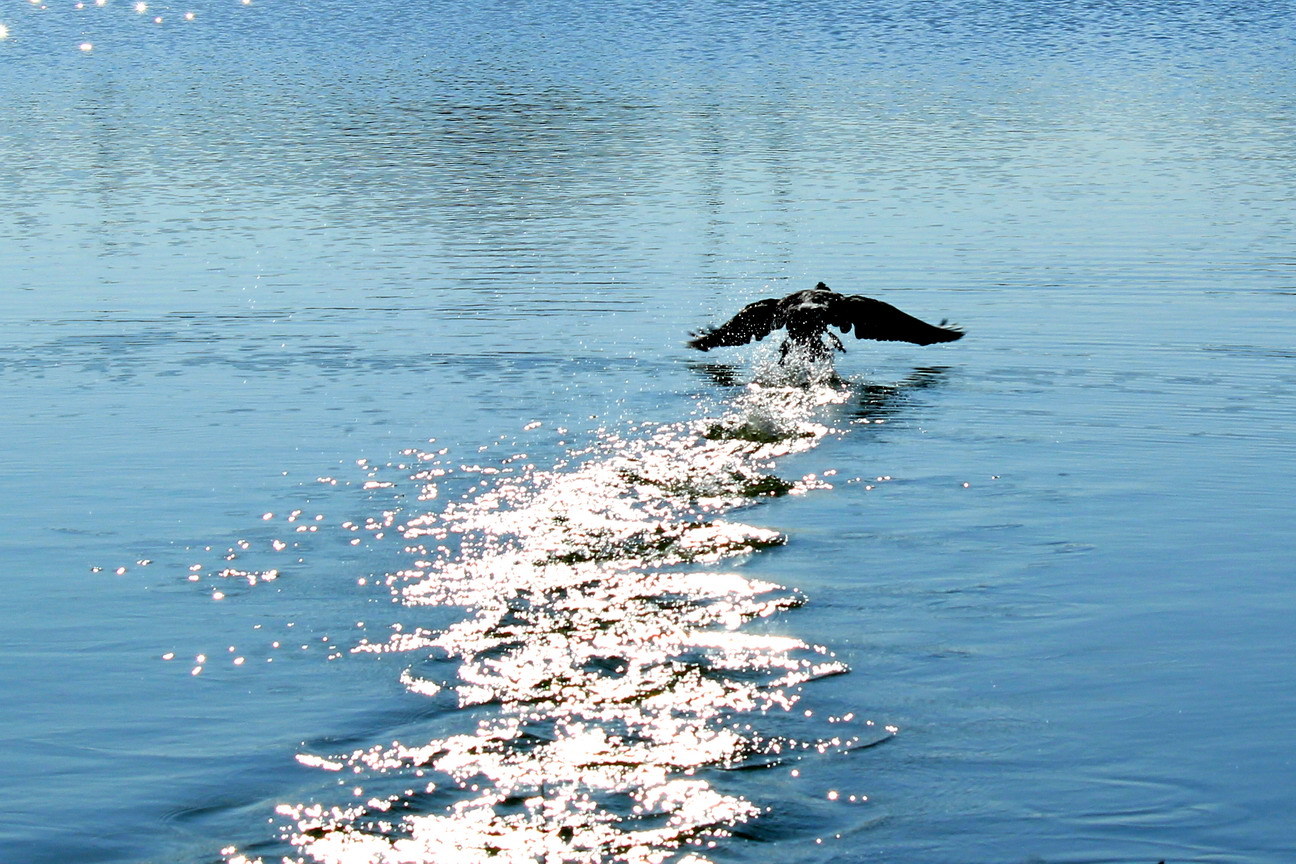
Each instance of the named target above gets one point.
<point>880,401</point>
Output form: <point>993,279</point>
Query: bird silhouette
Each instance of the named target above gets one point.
<point>807,315</point>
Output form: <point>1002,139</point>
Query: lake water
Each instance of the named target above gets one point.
<point>362,503</point>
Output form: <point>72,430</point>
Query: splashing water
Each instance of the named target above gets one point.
<point>614,673</point>
<point>796,364</point>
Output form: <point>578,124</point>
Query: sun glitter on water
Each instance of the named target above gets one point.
<point>612,659</point>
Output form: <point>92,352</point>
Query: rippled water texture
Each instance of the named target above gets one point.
<point>361,502</point>
<point>622,680</point>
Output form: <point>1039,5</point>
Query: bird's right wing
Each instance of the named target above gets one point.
<point>874,319</point>
<point>752,322</point>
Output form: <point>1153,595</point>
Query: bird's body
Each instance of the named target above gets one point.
<point>807,315</point>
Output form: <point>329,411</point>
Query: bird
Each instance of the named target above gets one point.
<point>807,315</point>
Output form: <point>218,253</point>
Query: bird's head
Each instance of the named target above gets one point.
<point>822,287</point>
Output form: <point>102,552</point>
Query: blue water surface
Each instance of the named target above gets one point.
<point>262,264</point>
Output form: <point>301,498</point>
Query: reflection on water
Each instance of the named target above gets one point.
<point>618,679</point>
<point>878,401</point>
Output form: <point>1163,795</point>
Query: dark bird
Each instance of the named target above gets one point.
<point>807,315</point>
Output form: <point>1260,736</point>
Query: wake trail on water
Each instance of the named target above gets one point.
<point>607,661</point>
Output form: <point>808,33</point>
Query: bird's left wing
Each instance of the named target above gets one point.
<point>874,319</point>
<point>752,322</point>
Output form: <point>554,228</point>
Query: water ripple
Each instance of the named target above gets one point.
<point>616,674</point>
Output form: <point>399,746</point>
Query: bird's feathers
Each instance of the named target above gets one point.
<point>808,314</point>
<point>753,322</point>
<point>874,319</point>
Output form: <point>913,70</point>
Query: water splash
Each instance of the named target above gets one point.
<point>796,364</point>
<point>616,681</point>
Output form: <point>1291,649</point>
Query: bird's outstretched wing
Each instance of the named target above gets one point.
<point>752,322</point>
<point>873,319</point>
